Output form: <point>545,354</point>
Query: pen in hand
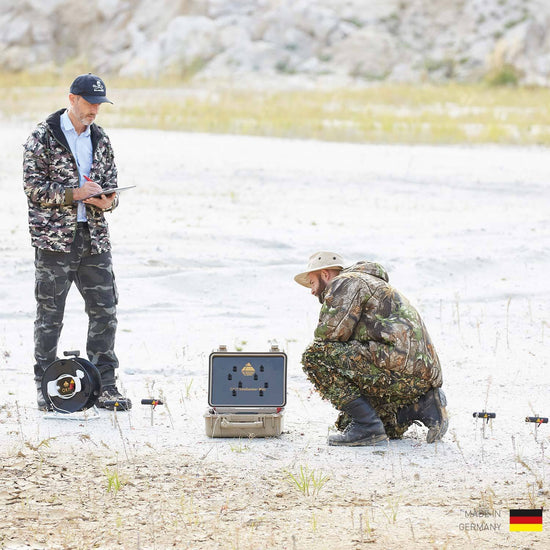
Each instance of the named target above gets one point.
<point>95,192</point>
<point>88,190</point>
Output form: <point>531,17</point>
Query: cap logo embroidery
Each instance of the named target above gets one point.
<point>98,87</point>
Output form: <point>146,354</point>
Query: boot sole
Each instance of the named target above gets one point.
<point>435,433</point>
<point>367,442</point>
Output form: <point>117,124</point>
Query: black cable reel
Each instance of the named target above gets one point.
<point>72,384</point>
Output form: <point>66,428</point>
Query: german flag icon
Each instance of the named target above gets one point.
<point>526,520</point>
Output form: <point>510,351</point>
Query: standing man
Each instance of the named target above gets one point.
<point>372,357</point>
<point>67,159</point>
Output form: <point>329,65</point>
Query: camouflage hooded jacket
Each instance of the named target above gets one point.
<point>360,305</point>
<point>50,174</point>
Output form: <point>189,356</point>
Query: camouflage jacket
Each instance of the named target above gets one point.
<point>360,305</point>
<point>50,174</point>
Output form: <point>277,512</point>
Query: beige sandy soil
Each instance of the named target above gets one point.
<point>205,249</point>
<point>171,499</point>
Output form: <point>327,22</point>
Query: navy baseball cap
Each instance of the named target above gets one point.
<point>90,87</point>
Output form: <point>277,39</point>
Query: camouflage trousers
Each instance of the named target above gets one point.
<point>93,276</point>
<point>344,371</point>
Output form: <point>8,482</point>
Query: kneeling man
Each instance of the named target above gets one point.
<point>372,356</point>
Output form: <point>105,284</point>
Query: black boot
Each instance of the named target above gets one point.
<point>112,399</point>
<point>365,428</point>
<point>43,405</point>
<point>430,410</point>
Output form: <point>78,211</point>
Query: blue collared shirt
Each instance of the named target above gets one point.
<point>81,148</point>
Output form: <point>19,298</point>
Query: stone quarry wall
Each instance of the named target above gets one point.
<point>372,40</point>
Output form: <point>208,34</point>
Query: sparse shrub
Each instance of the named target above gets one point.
<point>507,75</point>
<point>284,67</point>
<point>446,66</point>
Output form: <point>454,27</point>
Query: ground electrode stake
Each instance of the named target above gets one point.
<point>153,403</point>
<point>537,421</point>
<point>487,416</point>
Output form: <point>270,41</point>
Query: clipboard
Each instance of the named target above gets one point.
<point>111,191</point>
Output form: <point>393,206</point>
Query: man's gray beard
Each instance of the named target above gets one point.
<point>321,295</point>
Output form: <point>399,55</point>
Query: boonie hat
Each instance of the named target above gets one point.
<point>90,87</point>
<point>317,262</point>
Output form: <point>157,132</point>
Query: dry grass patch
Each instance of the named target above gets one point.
<point>382,113</point>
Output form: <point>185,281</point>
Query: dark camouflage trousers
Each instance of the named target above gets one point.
<point>93,276</point>
<point>344,371</point>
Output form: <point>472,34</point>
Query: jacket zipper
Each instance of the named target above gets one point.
<point>77,173</point>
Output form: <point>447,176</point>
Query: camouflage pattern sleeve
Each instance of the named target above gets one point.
<point>341,310</point>
<point>38,186</point>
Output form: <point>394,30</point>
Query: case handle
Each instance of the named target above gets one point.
<point>227,423</point>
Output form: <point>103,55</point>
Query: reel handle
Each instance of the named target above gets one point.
<point>74,353</point>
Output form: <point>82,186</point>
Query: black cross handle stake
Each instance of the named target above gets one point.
<point>153,403</point>
<point>486,415</point>
<point>538,420</point>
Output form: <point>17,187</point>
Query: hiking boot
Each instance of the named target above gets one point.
<point>112,399</point>
<point>430,410</point>
<point>365,427</point>
<point>42,404</point>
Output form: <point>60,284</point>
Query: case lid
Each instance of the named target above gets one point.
<point>253,380</point>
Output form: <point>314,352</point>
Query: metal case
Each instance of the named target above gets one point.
<point>242,424</point>
<point>246,394</point>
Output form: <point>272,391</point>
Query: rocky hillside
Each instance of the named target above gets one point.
<point>394,40</point>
